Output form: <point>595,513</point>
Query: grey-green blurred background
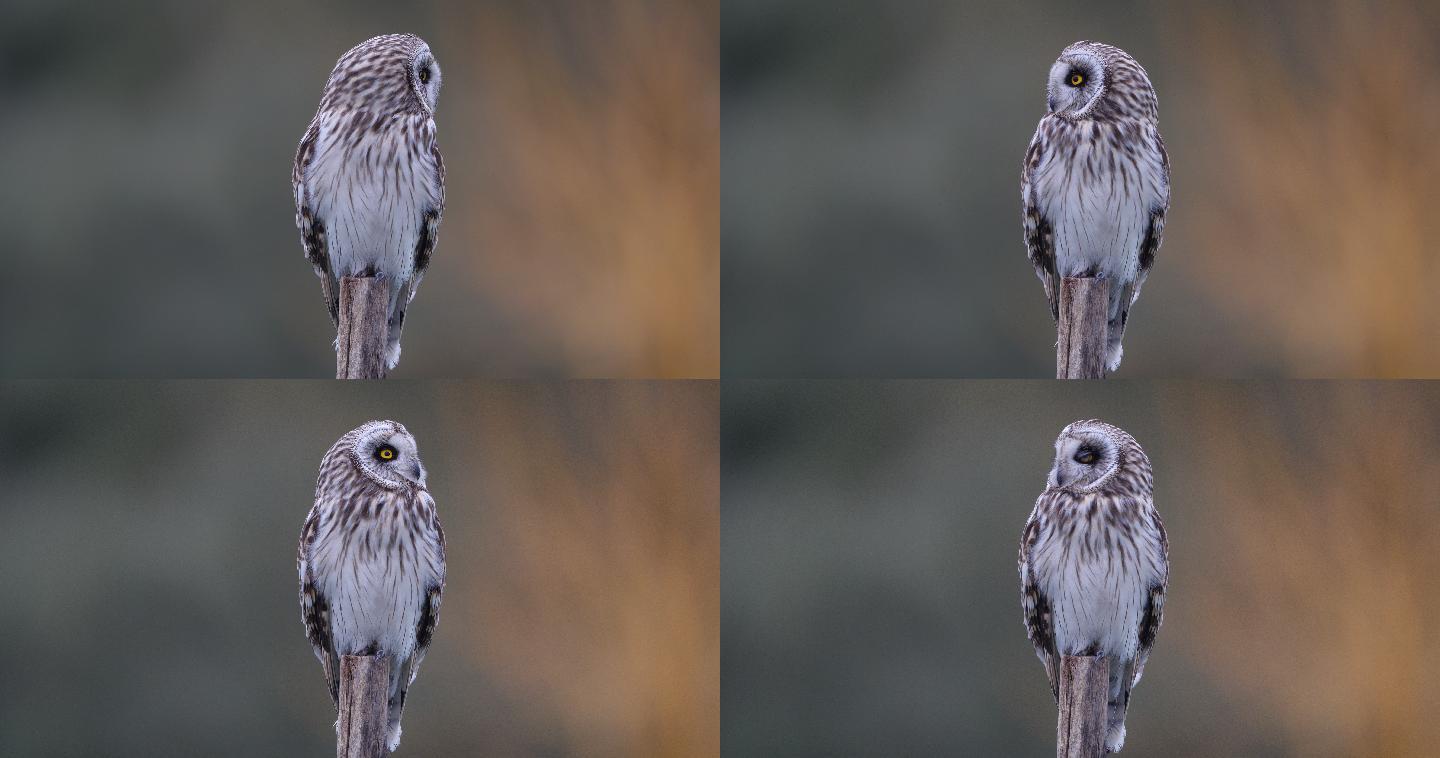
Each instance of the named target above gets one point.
<point>145,155</point>
<point>871,604</point>
<point>147,545</point>
<point>871,199</point>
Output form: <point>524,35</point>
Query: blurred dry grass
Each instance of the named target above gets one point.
<point>606,539</point>
<point>599,223</point>
<point>1321,606</point>
<point>582,146</point>
<point>1317,161</point>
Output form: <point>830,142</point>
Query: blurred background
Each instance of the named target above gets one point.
<point>871,603</point>
<point>149,221</point>
<point>872,205</point>
<point>147,538</point>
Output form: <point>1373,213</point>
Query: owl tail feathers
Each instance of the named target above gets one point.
<point>1120,684</point>
<point>1114,739</point>
<point>1115,332</point>
<point>1115,731</point>
<point>392,353</point>
<point>1120,302</point>
<point>1121,680</point>
<point>392,345</point>
<point>399,685</point>
<point>392,742</point>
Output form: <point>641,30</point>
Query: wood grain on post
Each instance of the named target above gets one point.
<point>1082,328</point>
<point>1084,685</point>
<point>364,328</point>
<point>364,693</point>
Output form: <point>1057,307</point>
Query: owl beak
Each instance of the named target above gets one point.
<point>1051,101</point>
<point>419,472</point>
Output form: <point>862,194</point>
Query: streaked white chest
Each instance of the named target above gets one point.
<point>1097,580</point>
<point>371,187</point>
<point>375,576</point>
<point>1098,197</point>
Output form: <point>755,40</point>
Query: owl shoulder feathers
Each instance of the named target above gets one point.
<point>312,229</point>
<point>314,608</point>
<point>1039,625</point>
<point>1039,236</point>
<point>1154,606</point>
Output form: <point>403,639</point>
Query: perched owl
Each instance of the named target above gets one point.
<point>368,179</point>
<point>372,559</point>
<point>1096,181</point>
<point>1094,561</point>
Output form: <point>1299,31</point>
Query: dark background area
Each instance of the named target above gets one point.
<point>145,157</point>
<point>871,199</point>
<point>147,540</point>
<point>871,604</point>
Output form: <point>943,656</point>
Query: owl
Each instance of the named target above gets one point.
<point>1094,562</point>
<point>368,179</point>
<point>372,559</point>
<point>1095,185</point>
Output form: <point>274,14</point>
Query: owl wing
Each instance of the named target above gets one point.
<point>430,611</point>
<point>429,617</point>
<point>424,248</point>
<point>1039,237</point>
<point>315,609</point>
<point>1154,231</point>
<point>1036,605</point>
<point>429,227</point>
<point>312,228</point>
<point>1154,609</point>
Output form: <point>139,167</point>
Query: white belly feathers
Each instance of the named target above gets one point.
<point>1099,220</point>
<point>375,591</point>
<point>371,195</point>
<point>1097,595</point>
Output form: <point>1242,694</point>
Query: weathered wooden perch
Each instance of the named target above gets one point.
<point>1084,692</point>
<point>364,693</point>
<point>364,329</point>
<point>1082,328</point>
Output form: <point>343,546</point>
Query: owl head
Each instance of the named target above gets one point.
<point>385,453</point>
<point>391,73</point>
<point>1088,453</point>
<point>1095,80</point>
<point>424,74</point>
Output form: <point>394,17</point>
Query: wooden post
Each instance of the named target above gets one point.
<point>364,328</point>
<point>1084,685</point>
<point>1081,329</point>
<point>364,693</point>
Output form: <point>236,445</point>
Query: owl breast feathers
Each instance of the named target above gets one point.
<point>1095,184</point>
<point>1094,562</point>
<point>368,179</point>
<point>372,559</point>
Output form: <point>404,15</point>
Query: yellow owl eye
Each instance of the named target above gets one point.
<point>385,453</point>
<point>1077,79</point>
<point>1085,457</point>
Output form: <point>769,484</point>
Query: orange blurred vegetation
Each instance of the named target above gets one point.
<point>1320,606</point>
<point>1316,219</point>
<point>599,224</point>
<point>603,531</point>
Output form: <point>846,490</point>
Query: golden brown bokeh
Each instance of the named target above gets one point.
<point>595,219</point>
<point>1320,604</point>
<point>581,607</point>
<point>601,600</point>
<point>581,231</point>
<point>1313,152</point>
